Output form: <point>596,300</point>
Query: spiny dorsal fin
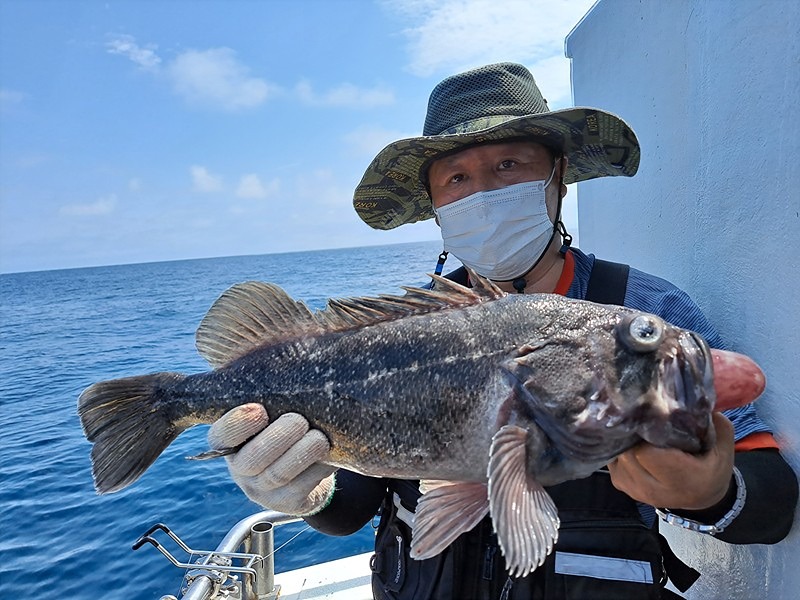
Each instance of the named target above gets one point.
<point>484,288</point>
<point>249,315</point>
<point>253,314</point>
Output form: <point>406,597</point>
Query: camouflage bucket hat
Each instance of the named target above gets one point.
<point>489,104</point>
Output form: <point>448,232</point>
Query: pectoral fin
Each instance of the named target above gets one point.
<point>524,515</point>
<point>445,511</point>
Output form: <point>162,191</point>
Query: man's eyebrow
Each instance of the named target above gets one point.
<point>449,160</point>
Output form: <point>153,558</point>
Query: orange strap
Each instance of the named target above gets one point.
<point>756,441</point>
<point>567,274</point>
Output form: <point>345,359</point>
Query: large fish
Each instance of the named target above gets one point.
<point>488,397</point>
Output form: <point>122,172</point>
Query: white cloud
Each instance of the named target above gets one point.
<point>102,206</point>
<point>251,186</point>
<point>552,77</point>
<point>453,35</point>
<point>28,161</point>
<point>126,45</point>
<point>215,77</point>
<point>9,97</point>
<point>371,140</point>
<point>320,189</point>
<point>203,181</point>
<point>345,95</point>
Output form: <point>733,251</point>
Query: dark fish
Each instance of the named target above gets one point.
<point>488,397</point>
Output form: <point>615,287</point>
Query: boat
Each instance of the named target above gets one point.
<point>242,566</point>
<point>709,90</point>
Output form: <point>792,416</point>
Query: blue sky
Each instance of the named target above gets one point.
<point>159,130</point>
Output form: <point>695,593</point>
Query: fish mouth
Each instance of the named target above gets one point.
<point>685,397</point>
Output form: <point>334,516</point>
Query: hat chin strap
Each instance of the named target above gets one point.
<point>520,283</point>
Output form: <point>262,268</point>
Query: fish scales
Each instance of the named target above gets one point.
<point>412,389</point>
<point>486,397</point>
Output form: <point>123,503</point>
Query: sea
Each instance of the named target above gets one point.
<point>61,331</point>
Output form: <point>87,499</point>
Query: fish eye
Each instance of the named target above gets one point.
<point>641,333</point>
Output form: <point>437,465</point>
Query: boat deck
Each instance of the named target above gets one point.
<point>344,579</point>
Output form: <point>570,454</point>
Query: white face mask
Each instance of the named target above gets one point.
<point>500,234</point>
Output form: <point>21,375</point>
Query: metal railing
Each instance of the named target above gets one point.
<point>226,572</point>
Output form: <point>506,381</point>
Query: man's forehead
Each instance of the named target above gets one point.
<point>531,149</point>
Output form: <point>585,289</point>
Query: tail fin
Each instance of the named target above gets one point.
<point>130,424</point>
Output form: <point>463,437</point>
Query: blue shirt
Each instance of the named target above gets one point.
<point>652,294</point>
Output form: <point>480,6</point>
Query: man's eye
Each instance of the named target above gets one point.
<point>457,178</point>
<point>507,164</point>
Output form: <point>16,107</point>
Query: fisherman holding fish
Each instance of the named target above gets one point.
<point>519,425</point>
<point>492,167</point>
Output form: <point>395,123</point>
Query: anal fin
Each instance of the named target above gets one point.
<point>444,511</point>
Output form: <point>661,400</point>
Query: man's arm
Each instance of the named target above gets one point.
<point>355,501</point>
<point>771,500</point>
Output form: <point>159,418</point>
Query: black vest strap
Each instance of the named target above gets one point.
<point>608,282</point>
<point>460,275</point>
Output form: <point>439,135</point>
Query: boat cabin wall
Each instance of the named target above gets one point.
<point>711,88</point>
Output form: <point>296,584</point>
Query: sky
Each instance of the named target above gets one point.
<point>150,130</point>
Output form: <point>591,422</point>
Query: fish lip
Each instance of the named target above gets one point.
<point>694,415</point>
<point>705,362</point>
<point>687,397</point>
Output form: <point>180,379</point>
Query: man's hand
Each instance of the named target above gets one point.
<point>279,467</point>
<point>670,478</point>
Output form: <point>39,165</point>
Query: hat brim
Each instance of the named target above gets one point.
<point>597,143</point>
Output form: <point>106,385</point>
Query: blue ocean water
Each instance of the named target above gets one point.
<point>61,331</point>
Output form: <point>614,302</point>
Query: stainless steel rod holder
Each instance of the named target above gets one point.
<point>262,543</point>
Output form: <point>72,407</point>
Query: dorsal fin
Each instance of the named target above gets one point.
<point>253,314</point>
<point>483,288</point>
<point>248,315</point>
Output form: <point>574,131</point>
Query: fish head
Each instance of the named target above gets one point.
<point>666,383</point>
<point>612,377</point>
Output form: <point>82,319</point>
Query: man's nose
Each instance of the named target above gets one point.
<point>485,182</point>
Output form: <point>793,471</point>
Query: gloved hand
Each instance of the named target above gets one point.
<point>279,467</point>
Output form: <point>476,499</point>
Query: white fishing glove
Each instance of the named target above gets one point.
<point>278,468</point>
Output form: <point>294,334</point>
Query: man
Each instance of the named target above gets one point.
<point>491,167</point>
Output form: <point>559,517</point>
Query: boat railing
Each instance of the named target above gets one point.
<point>227,572</point>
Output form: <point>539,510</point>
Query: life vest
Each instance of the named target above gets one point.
<point>604,548</point>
